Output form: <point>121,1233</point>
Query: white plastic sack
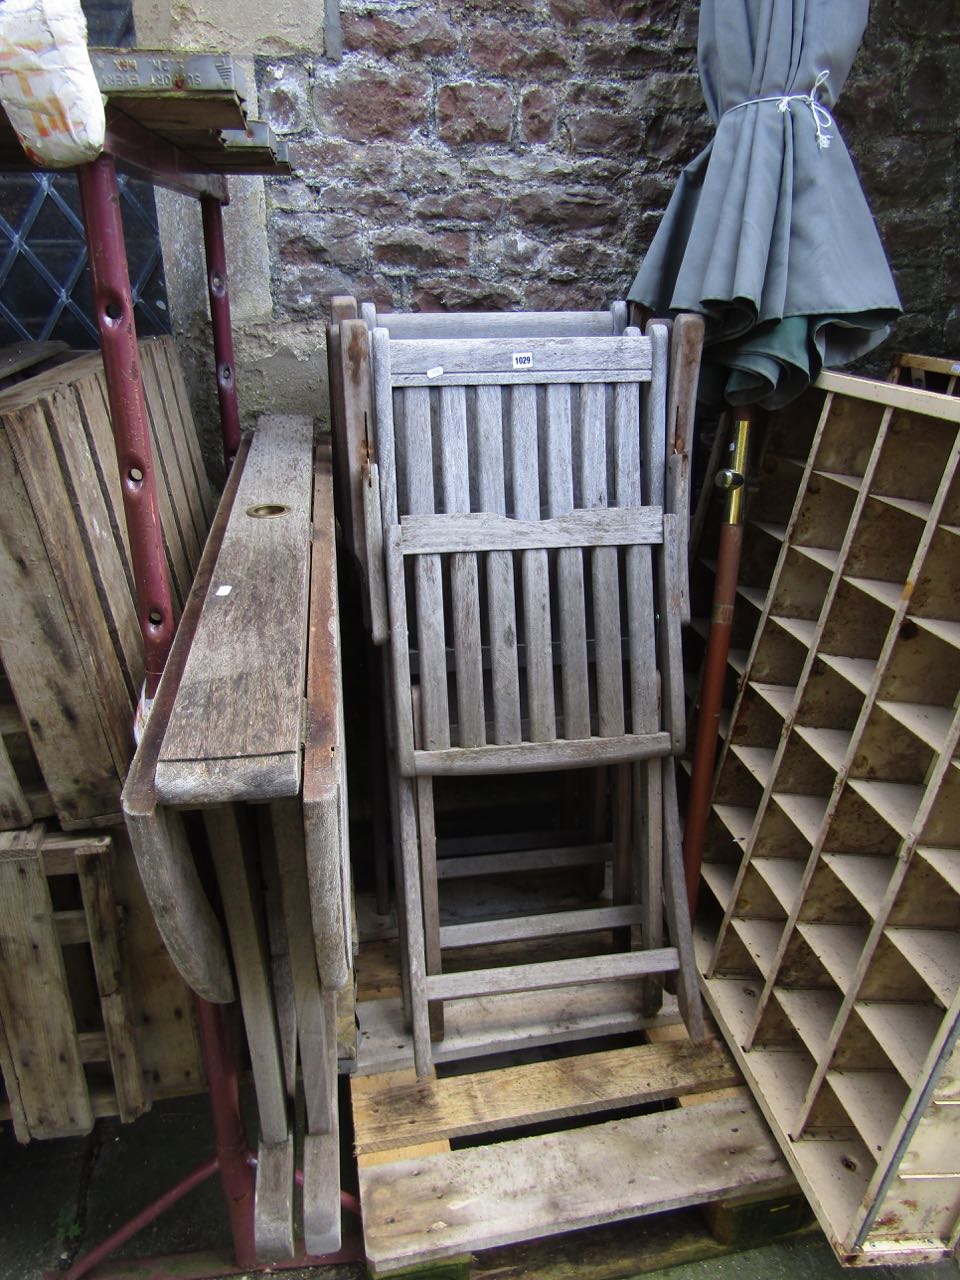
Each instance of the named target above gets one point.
<point>47,84</point>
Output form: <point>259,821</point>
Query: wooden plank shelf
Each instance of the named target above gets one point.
<point>856,838</point>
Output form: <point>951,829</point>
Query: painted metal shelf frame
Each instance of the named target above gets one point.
<point>831,957</point>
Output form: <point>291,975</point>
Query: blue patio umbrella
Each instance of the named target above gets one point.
<point>768,233</point>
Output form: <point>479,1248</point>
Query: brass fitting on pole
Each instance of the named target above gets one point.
<point>731,479</point>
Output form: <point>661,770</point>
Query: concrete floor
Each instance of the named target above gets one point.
<point>58,1199</point>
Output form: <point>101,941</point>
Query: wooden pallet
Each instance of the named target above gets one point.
<point>93,1020</point>
<point>70,644</point>
<point>424,1202</point>
<point>833,858</point>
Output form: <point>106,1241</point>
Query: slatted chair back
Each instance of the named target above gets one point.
<point>351,407</point>
<point>522,502</point>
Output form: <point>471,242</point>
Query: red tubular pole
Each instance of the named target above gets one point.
<point>715,663</point>
<point>216,253</point>
<point>236,1175</point>
<point>113,302</point>
<point>143,1219</point>
<point>711,700</point>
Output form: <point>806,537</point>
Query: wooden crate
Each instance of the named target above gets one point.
<point>93,1019</point>
<point>832,953</point>
<point>70,644</point>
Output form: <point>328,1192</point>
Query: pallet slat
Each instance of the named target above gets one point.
<point>456,1106</point>
<point>424,1210</point>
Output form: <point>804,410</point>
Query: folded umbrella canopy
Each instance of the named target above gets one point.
<point>768,233</point>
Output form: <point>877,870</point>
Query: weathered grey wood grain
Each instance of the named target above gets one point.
<point>686,345</point>
<point>464,866</point>
<point>94,864</point>
<point>603,564</point>
<point>321,1193</point>
<point>356,407</point>
<point>14,808</point>
<point>396,1113</point>
<point>78,462</point>
<point>239,705</point>
<point>233,863</point>
<point>575,687</point>
<point>41,660</point>
<point>671,658</point>
<point>648,828</point>
<point>535,579</point>
<point>479,361</point>
<point>198,482</point>
<point>343,306</point>
<point>551,973</point>
<point>677,907</point>
<point>655,419</point>
<point>187,924</point>
<point>35,1007</point>
<point>536,757</point>
<point>51,515</point>
<point>8,1075</point>
<point>281,973</point>
<point>509,1191</point>
<point>399,650</point>
<point>501,600</point>
<point>413,918</point>
<point>172,467</point>
<point>376,567</point>
<point>464,578</point>
<point>326,840</point>
<point>504,324</point>
<point>417,445</point>
<point>386,444</point>
<point>273,1203</point>
<point>181,909</point>
<point>321,1150</point>
<point>484,531</point>
<point>638,564</point>
<point>287,824</point>
<point>547,925</point>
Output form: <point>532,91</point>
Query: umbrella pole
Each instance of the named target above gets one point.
<point>731,479</point>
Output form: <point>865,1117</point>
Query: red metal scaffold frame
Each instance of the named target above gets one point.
<point>148,157</point>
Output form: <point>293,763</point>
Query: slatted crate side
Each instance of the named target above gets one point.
<point>856,989</point>
<point>110,1003</point>
<point>71,645</point>
<point>49,1044</point>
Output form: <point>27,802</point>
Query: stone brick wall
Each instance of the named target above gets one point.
<point>481,153</point>
<point>507,153</point>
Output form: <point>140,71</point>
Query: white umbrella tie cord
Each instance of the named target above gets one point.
<point>821,116</point>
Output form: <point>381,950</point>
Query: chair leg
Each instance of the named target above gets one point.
<point>395,841</point>
<point>623,851</point>
<point>648,821</point>
<point>678,912</point>
<point>413,913</point>
<point>430,889</point>
<point>378,787</point>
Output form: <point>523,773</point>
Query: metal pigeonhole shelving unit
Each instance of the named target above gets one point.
<point>832,952</point>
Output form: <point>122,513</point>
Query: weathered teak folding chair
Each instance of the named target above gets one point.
<point>355,465</point>
<point>248,712</point>
<point>522,499</point>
